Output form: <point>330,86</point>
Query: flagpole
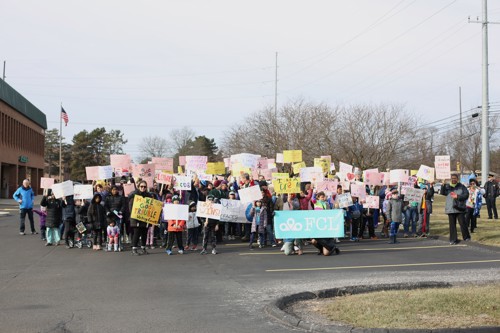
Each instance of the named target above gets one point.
<point>60,144</point>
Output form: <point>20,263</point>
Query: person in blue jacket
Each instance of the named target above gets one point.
<point>25,197</point>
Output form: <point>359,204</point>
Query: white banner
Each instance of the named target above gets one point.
<point>233,211</point>
<point>175,212</point>
<point>63,189</point>
<point>208,209</point>
<point>82,192</point>
<point>182,183</point>
<point>311,174</point>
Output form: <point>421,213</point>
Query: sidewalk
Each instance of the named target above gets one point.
<point>7,206</point>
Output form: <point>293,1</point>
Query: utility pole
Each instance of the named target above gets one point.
<point>276,90</point>
<point>461,132</point>
<point>4,69</point>
<point>485,144</point>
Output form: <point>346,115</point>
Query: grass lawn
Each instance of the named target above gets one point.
<point>456,307</point>
<point>487,232</point>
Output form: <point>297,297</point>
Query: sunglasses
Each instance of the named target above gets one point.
<point>142,186</point>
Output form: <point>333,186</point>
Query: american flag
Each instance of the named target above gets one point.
<point>64,116</point>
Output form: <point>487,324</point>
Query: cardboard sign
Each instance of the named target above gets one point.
<point>414,194</point>
<point>238,169</point>
<point>373,178</point>
<point>280,158</point>
<point>290,156</point>
<point>398,176</point>
<point>163,177</point>
<point>120,161</point>
<point>344,200</point>
<point>287,185</point>
<point>327,186</point>
<point>309,224</point>
<point>176,212</point>
<point>345,168</point>
<point>105,172</point>
<point>250,194</point>
<point>443,167</point>
<point>182,182</point>
<point>322,163</point>
<point>311,174</point>
<point>144,171</point>
<point>358,190</point>
<point>63,189</point>
<point>146,209</point>
<point>46,182</point>
<point>372,201</point>
<point>128,188</point>
<point>163,163</point>
<point>83,192</point>
<point>92,173</point>
<point>216,168</point>
<point>298,166</point>
<point>233,211</point>
<point>208,209</point>
<point>426,173</point>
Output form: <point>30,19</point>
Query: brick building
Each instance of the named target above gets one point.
<point>22,141</point>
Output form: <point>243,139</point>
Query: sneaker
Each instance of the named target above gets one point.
<point>168,252</point>
<point>181,251</point>
<point>260,246</point>
<point>193,248</point>
<point>274,245</point>
<point>467,240</point>
<point>34,233</point>
<point>296,248</point>
<point>48,244</point>
<point>203,251</point>
<point>22,233</point>
<point>454,243</point>
<point>214,251</point>
<point>135,253</point>
<point>337,240</point>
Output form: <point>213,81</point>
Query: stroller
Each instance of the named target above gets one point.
<point>84,229</point>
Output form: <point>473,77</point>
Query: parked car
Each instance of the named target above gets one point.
<point>437,188</point>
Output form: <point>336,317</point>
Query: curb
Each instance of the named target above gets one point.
<point>471,244</point>
<point>277,309</point>
<point>3,214</point>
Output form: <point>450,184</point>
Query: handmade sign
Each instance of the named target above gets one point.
<point>216,168</point>
<point>345,168</point>
<point>208,209</point>
<point>92,173</point>
<point>414,194</point>
<point>165,164</point>
<point>287,185</point>
<point>298,166</point>
<point>385,178</point>
<point>46,182</point>
<point>346,186</point>
<point>163,177</point>
<point>175,212</point>
<point>128,188</point>
<point>309,224</point>
<point>146,209</point>
<point>344,200</point>
<point>250,194</point>
<point>279,175</point>
<point>233,211</point>
<point>120,161</point>
<point>144,171</point>
<point>63,189</point>
<point>245,160</point>
<point>372,201</point>
<point>105,172</point>
<point>327,186</point>
<point>196,163</point>
<point>426,173</point>
<point>279,158</point>
<point>227,162</point>
<point>182,160</point>
<point>83,192</point>
<point>373,178</point>
<point>311,174</point>
<point>238,169</point>
<point>290,156</point>
<point>182,182</point>
<point>398,176</point>
<point>443,167</point>
<point>271,163</point>
<point>322,163</point>
<point>358,190</point>
<point>266,173</point>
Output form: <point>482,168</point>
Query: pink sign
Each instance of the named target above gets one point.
<point>358,190</point>
<point>163,163</point>
<point>163,178</point>
<point>144,171</point>
<point>373,178</point>
<point>182,160</point>
<point>92,173</point>
<point>372,201</point>
<point>128,188</point>
<point>327,186</point>
<point>345,168</point>
<point>46,182</point>
<point>120,161</point>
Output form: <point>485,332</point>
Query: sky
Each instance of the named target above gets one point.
<point>147,67</point>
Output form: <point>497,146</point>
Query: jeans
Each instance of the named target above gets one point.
<point>411,214</point>
<point>22,215</point>
<point>53,235</point>
<point>209,236</point>
<point>394,229</point>
<point>289,246</point>
<point>270,234</point>
<point>252,238</point>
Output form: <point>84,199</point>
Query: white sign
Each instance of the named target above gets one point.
<point>208,209</point>
<point>280,158</point>
<point>345,168</point>
<point>105,172</point>
<point>46,182</point>
<point>344,200</point>
<point>426,173</point>
<point>358,190</point>
<point>82,192</point>
<point>414,194</point>
<point>63,189</point>
<point>250,194</point>
<point>233,211</point>
<point>443,167</point>
<point>398,176</point>
<point>372,201</point>
<point>311,174</point>
<point>175,212</point>
<point>182,183</point>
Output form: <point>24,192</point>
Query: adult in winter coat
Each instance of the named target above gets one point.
<point>96,215</point>
<point>24,195</point>
<point>69,220</point>
<point>456,196</point>
<point>54,217</point>
<point>491,192</point>
<point>139,228</point>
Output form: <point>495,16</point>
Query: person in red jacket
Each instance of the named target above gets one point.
<point>305,198</point>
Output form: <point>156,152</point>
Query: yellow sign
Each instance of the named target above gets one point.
<point>238,169</point>
<point>322,163</point>
<point>413,172</point>
<point>290,156</point>
<point>287,185</point>
<point>146,209</point>
<point>179,170</point>
<point>216,168</point>
<point>298,166</point>
<point>276,175</point>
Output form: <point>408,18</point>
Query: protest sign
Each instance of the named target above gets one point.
<point>238,169</point>
<point>358,190</point>
<point>163,163</point>
<point>297,166</point>
<point>216,168</point>
<point>63,189</point>
<point>197,164</point>
<point>373,178</point>
<point>345,168</point>
<point>290,156</point>
<point>245,160</point>
<point>277,175</point>
<point>266,173</point>
<point>309,224</point>
<point>208,209</point>
<point>227,162</point>
<point>322,163</point>
<point>120,161</point>
<point>311,174</point>
<point>385,178</point>
<point>146,209</point>
<point>182,182</point>
<point>346,186</point>
<point>250,194</point>
<point>414,194</point>
<point>372,201</point>
<point>204,176</point>
<point>332,166</point>
<point>163,177</point>
<point>176,212</point>
<point>328,158</point>
<point>271,163</point>
<point>443,167</point>
<point>82,192</point>
<point>327,186</point>
<point>287,185</point>
<point>233,211</point>
<point>344,200</point>
<point>46,182</point>
<point>144,171</point>
<point>128,188</point>
<point>92,172</point>
<point>398,176</point>
<point>426,173</point>
<point>279,158</point>
<point>182,160</point>
<point>105,172</point>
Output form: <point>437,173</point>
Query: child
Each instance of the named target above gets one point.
<point>355,213</point>
<point>43,215</point>
<point>394,215</point>
<point>96,215</point>
<point>210,227</point>
<point>192,226</point>
<point>113,234</point>
<point>175,229</point>
<point>151,236</point>
<point>259,218</point>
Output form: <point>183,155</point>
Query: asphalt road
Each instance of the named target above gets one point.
<point>53,289</point>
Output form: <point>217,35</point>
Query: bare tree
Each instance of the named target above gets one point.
<point>153,146</point>
<point>179,138</point>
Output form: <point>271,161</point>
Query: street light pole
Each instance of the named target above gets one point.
<point>485,145</point>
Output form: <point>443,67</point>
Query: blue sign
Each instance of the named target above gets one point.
<point>309,223</point>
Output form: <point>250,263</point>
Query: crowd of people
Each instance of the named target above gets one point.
<point>104,222</point>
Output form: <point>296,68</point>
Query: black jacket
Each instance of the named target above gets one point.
<point>96,214</point>
<point>54,211</point>
<point>114,202</point>
<point>133,222</point>
<point>491,189</point>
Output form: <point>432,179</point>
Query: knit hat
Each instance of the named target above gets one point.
<point>210,197</point>
<point>175,198</point>
<point>191,204</point>
<point>232,193</point>
<point>217,183</point>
